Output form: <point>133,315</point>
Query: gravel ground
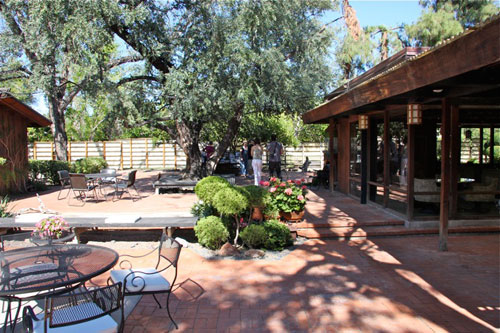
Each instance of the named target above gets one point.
<point>204,252</point>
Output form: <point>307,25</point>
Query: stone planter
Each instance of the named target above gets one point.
<point>292,216</point>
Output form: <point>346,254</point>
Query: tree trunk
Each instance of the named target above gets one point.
<point>188,138</point>
<point>58,128</point>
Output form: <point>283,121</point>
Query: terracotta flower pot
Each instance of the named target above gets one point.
<point>293,216</point>
<point>257,214</point>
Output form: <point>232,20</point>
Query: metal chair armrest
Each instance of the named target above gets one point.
<point>28,317</point>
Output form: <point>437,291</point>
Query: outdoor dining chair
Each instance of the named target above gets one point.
<point>64,181</point>
<point>17,240</point>
<point>152,281</point>
<point>124,184</point>
<point>87,311</point>
<point>81,187</point>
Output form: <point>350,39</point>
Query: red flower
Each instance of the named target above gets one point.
<point>266,183</point>
<point>298,182</point>
<point>289,181</point>
<point>304,187</point>
<point>273,179</point>
<point>283,185</point>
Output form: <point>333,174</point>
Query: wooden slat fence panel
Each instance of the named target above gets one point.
<point>150,154</point>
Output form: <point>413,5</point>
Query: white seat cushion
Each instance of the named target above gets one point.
<point>153,282</point>
<point>104,324</point>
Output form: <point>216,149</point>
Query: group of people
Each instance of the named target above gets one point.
<point>251,155</point>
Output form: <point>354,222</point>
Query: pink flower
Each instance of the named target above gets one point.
<point>266,183</point>
<point>304,187</point>
<point>261,182</point>
<point>298,182</point>
<point>241,220</point>
<point>282,185</point>
<point>300,197</point>
<point>288,191</point>
<point>289,181</point>
<point>273,179</point>
<point>272,189</point>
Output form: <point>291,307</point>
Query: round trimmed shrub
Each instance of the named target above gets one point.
<point>257,196</point>
<point>278,235</point>
<point>206,188</point>
<point>254,236</point>
<point>229,201</point>
<point>211,232</point>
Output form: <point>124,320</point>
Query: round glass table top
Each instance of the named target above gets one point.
<point>52,266</point>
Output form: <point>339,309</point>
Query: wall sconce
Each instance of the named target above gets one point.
<point>414,112</point>
<point>362,122</point>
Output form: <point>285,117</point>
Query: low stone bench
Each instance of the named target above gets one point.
<point>171,182</point>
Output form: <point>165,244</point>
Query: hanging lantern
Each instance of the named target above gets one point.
<point>362,122</point>
<point>414,114</point>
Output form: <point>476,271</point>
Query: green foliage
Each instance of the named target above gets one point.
<point>254,236</point>
<point>201,209</point>
<point>4,212</point>
<point>89,165</point>
<point>229,201</point>
<point>46,171</point>
<point>278,235</point>
<point>257,196</point>
<point>39,134</point>
<point>467,12</point>
<point>289,196</point>
<point>211,232</point>
<point>230,225</point>
<point>206,188</point>
<point>3,161</point>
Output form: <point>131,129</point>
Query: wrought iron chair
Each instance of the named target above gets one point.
<point>17,240</point>
<point>65,182</point>
<point>87,311</point>
<point>81,187</point>
<point>108,180</point>
<point>124,184</point>
<point>143,281</point>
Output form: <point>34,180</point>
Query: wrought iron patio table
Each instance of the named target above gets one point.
<point>35,272</point>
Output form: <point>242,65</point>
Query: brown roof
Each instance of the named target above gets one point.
<point>34,119</point>
<point>471,60</point>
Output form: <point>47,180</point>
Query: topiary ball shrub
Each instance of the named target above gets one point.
<point>278,235</point>
<point>257,196</point>
<point>211,233</point>
<point>230,201</point>
<point>254,236</point>
<point>206,188</point>
<point>202,209</point>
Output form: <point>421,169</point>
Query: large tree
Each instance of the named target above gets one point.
<point>58,48</point>
<point>218,61</point>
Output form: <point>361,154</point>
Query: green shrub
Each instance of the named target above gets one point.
<point>257,196</point>
<point>230,225</point>
<point>89,165</point>
<point>206,188</point>
<point>202,209</point>
<point>254,236</point>
<point>211,232</point>
<point>3,161</point>
<point>278,235</point>
<point>46,171</point>
<point>229,201</point>
<point>3,207</point>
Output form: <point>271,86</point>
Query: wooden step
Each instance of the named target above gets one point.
<point>383,231</point>
<point>345,223</point>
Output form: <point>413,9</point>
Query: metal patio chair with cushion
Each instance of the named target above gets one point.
<point>64,181</point>
<point>81,187</point>
<point>124,184</point>
<point>107,180</point>
<point>152,281</point>
<point>87,311</point>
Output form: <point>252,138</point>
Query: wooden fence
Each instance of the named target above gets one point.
<point>145,153</point>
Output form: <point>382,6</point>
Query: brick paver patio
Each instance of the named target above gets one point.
<point>382,285</point>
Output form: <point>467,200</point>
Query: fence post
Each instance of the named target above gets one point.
<point>34,151</point>
<point>175,155</point>
<point>69,151</point>
<point>121,155</point>
<point>147,152</point>
<point>52,150</point>
<point>131,162</point>
<point>163,154</point>
<point>104,150</point>
<point>86,149</point>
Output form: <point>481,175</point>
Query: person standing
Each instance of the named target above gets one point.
<point>275,149</point>
<point>249,164</point>
<point>256,153</point>
<point>244,159</point>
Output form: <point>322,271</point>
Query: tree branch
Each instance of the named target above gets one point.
<point>137,78</point>
<point>123,60</point>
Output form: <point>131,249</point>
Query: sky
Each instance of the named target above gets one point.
<point>390,13</point>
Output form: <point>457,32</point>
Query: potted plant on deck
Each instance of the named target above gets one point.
<point>52,229</point>
<point>289,197</point>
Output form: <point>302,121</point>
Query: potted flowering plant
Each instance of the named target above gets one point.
<point>288,197</point>
<point>52,227</point>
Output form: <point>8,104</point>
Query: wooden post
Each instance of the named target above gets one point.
<point>131,160</point>
<point>481,137</point>
<point>372,157</point>
<point>147,153</point>
<point>121,155</point>
<point>387,149</point>
<point>364,165</point>
<point>175,155</point>
<point>492,144</point>
<point>445,175</point>
<point>86,149</point>
<point>410,173</point>
<point>69,151</point>
<point>35,155</point>
<point>331,175</point>
<point>455,158</point>
<point>104,150</point>
<point>163,154</point>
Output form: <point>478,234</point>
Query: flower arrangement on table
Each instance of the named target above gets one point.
<point>51,227</point>
<point>289,196</point>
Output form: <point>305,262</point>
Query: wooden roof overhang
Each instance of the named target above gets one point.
<point>33,118</point>
<point>466,68</point>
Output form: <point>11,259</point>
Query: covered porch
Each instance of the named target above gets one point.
<point>420,132</point>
